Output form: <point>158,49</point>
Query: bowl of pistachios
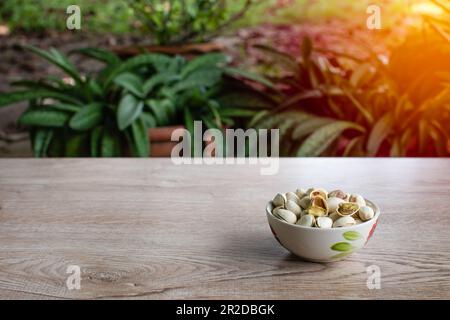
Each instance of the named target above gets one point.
<point>321,226</point>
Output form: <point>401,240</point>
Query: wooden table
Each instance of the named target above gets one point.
<point>149,229</point>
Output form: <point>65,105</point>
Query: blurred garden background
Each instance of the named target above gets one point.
<point>138,69</point>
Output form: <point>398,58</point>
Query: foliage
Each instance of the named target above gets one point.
<point>180,21</point>
<point>401,108</point>
<point>40,15</point>
<point>440,24</point>
<point>105,113</point>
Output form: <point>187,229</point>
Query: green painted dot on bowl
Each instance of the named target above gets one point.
<point>352,235</point>
<point>342,246</point>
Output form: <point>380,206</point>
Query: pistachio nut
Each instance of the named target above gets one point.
<point>324,222</point>
<point>334,216</point>
<point>279,200</point>
<point>356,198</point>
<point>366,213</point>
<point>307,220</point>
<point>275,211</point>
<point>318,192</point>
<point>347,209</point>
<point>293,207</point>
<point>344,222</point>
<point>305,202</point>
<point>338,194</point>
<point>293,197</point>
<point>287,216</point>
<point>333,203</point>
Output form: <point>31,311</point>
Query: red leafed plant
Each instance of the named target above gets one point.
<point>392,106</point>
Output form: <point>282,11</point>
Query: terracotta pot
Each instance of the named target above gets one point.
<point>160,141</point>
<point>186,50</point>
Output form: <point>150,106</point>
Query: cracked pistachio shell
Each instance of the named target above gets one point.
<point>317,211</point>
<point>366,213</point>
<point>338,194</point>
<point>287,216</point>
<point>293,197</point>
<point>333,203</point>
<point>347,209</point>
<point>324,222</point>
<point>306,220</point>
<point>293,207</point>
<point>305,202</point>
<point>279,200</point>
<point>356,198</point>
<point>319,207</point>
<point>344,222</point>
<point>304,212</point>
<point>318,192</point>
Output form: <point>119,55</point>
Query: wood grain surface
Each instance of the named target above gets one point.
<point>148,229</point>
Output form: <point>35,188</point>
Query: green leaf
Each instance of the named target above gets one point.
<point>355,147</point>
<point>66,107</point>
<point>379,133</point>
<point>44,118</point>
<point>189,124</point>
<point>140,138</point>
<point>149,120</point>
<point>57,145</point>
<point>212,60</point>
<point>321,139</point>
<point>157,61</point>
<point>237,112</point>
<point>362,110</point>
<point>87,118</point>
<point>128,111</point>
<point>99,54</point>
<point>110,145</point>
<point>160,78</point>
<point>352,235</point>
<point>308,126</point>
<point>24,95</point>
<point>200,78</point>
<point>342,246</point>
<point>41,141</point>
<point>77,145</point>
<point>96,136</point>
<point>132,83</point>
<point>58,59</point>
<point>249,76</point>
<point>95,88</point>
<point>161,110</point>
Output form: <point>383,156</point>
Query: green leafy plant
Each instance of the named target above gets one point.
<point>108,112</point>
<point>181,21</point>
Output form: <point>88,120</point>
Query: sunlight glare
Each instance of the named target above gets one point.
<point>427,8</point>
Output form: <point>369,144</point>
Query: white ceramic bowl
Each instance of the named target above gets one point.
<point>322,245</point>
